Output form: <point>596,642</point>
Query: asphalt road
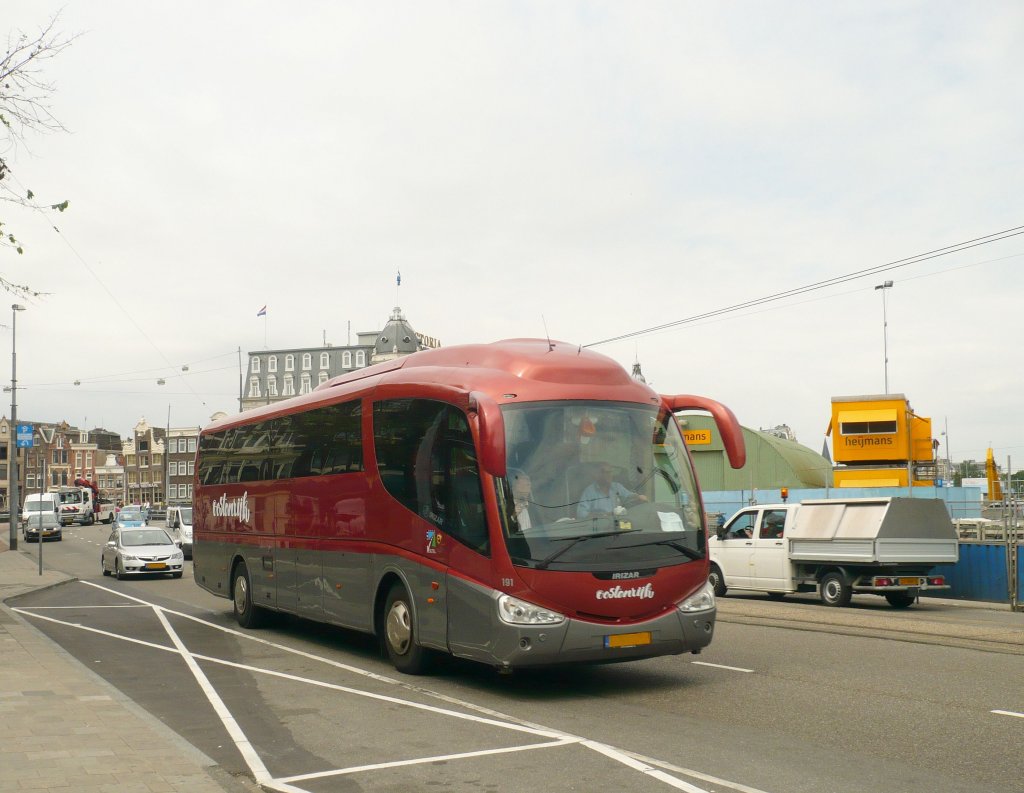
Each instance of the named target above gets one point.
<point>790,697</point>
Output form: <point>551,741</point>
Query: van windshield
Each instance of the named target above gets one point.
<point>39,506</point>
<point>596,485</point>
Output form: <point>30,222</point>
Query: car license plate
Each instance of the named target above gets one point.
<point>910,582</point>
<point>628,639</point>
<point>156,566</point>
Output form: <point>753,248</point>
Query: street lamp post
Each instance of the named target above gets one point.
<point>14,513</point>
<point>885,331</point>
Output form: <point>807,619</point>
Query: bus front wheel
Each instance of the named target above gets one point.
<point>247,613</point>
<point>405,654</point>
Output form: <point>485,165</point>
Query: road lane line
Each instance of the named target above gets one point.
<point>422,760</point>
<point>242,743</point>
<point>1008,713</point>
<point>644,768</point>
<point>698,775</point>
<point>95,630</point>
<point>43,608</point>
<point>722,666</point>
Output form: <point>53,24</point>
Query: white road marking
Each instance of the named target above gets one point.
<point>422,760</point>
<point>242,743</point>
<point>722,666</point>
<point>636,762</point>
<point>45,608</point>
<point>1008,713</point>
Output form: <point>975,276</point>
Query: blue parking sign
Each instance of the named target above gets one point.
<point>24,438</point>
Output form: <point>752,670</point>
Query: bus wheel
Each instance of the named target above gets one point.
<point>717,581</point>
<point>400,634</point>
<point>247,613</point>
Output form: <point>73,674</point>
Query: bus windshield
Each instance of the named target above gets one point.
<point>598,486</point>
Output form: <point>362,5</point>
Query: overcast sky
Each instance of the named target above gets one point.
<point>598,167</point>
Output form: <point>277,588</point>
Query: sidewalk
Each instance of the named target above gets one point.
<point>63,728</point>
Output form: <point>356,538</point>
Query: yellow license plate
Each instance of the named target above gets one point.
<point>156,566</point>
<point>628,639</point>
<point>910,582</point>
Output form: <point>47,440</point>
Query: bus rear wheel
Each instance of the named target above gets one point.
<point>406,655</point>
<point>247,613</point>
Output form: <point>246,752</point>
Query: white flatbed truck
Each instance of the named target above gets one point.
<point>837,547</point>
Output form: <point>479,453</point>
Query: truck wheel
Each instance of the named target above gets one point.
<point>405,653</point>
<point>717,581</point>
<point>835,591</point>
<point>899,600</point>
<point>247,613</point>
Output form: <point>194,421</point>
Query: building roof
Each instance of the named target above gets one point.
<point>398,336</point>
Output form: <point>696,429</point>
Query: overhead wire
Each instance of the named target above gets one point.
<point>824,284</point>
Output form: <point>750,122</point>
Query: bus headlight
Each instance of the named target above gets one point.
<point>701,600</point>
<point>518,612</point>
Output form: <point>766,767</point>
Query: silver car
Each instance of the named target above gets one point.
<point>134,551</point>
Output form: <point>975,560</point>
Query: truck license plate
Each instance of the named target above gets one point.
<point>910,582</point>
<point>628,639</point>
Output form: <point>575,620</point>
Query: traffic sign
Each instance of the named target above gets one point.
<point>24,440</point>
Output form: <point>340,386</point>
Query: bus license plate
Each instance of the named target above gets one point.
<point>156,566</point>
<point>910,582</point>
<point>628,639</point>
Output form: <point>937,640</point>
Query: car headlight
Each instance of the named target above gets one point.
<point>701,600</point>
<point>518,612</point>
<point>130,557</point>
<point>177,556</point>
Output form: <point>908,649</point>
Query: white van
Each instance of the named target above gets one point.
<point>40,502</point>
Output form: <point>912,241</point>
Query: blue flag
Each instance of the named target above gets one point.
<point>399,280</point>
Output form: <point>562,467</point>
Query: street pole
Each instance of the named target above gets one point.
<point>15,502</point>
<point>885,331</point>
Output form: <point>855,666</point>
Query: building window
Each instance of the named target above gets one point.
<point>272,363</point>
<point>307,361</point>
<point>306,385</point>
<point>360,358</point>
<point>191,470</point>
<point>254,368</point>
<point>325,360</point>
<point>192,445</point>
<point>174,445</point>
<point>323,378</point>
<point>289,363</point>
<point>346,360</point>
<point>272,386</point>
<point>78,460</point>
<point>88,460</point>
<point>173,468</point>
<point>289,385</point>
<point>254,387</point>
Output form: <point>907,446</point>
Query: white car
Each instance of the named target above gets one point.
<point>134,551</point>
<point>179,526</point>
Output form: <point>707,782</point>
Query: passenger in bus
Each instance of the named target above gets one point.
<point>601,497</point>
<point>522,501</point>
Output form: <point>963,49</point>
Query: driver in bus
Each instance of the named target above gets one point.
<point>522,501</point>
<point>603,496</point>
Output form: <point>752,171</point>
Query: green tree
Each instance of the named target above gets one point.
<point>25,110</point>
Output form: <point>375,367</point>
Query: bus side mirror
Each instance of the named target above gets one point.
<point>492,433</point>
<point>725,420</point>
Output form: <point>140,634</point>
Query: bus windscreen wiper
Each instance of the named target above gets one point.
<point>573,541</point>
<point>677,544</point>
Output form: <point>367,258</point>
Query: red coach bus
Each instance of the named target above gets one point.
<point>518,503</point>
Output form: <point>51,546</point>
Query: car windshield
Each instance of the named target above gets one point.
<point>39,506</point>
<point>596,486</point>
<point>130,514</point>
<point>145,537</point>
